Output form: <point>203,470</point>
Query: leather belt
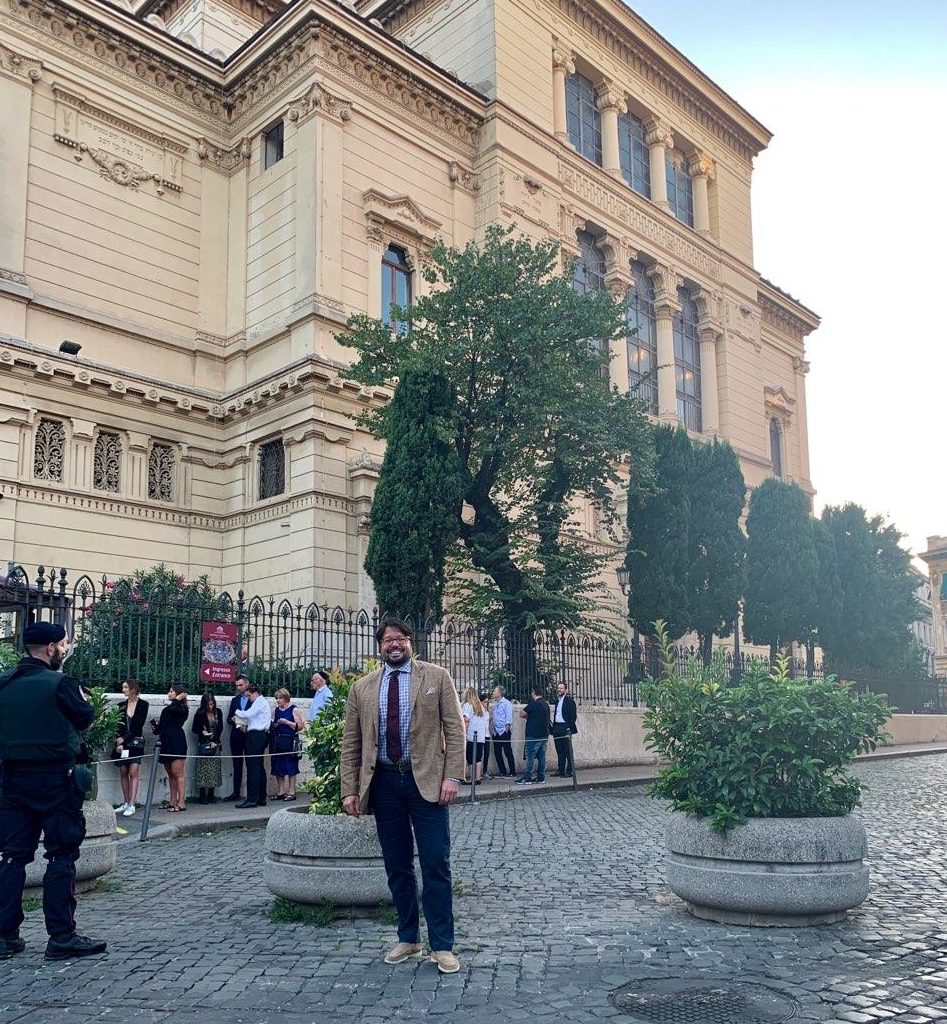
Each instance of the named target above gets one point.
<point>402,768</point>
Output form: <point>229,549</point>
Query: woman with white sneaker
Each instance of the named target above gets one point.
<point>133,715</point>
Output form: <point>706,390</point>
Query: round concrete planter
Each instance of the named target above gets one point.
<point>317,858</point>
<point>770,871</point>
<point>96,855</point>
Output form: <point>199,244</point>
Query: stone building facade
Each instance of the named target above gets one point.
<point>936,558</point>
<point>198,193</point>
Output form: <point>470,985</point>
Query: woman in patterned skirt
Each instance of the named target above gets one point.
<point>207,726</point>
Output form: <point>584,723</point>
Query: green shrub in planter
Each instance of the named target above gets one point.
<point>773,747</point>
<point>322,742</point>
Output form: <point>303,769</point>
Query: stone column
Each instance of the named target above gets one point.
<point>701,169</point>
<point>562,66</point>
<point>801,368</point>
<point>79,465</point>
<point>665,308</point>
<point>611,106</point>
<point>618,282</point>
<point>17,76</point>
<point>709,402</point>
<point>135,484</point>
<point>658,140</point>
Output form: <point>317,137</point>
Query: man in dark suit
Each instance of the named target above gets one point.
<point>563,726</point>
<point>238,737</point>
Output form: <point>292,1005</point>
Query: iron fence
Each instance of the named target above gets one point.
<point>121,631</point>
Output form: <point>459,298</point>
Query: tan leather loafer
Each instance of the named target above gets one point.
<point>403,951</point>
<point>446,962</point>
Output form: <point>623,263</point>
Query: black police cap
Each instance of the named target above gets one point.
<point>42,633</point>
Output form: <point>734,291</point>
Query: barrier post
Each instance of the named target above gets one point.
<point>150,795</point>
<point>575,781</point>
<point>473,769</point>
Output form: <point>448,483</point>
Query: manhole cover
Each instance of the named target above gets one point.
<point>701,1001</point>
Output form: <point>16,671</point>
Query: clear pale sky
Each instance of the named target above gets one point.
<point>850,216</point>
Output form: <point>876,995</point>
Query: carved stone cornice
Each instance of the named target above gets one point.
<point>783,320</point>
<point>399,214</point>
<point>318,98</point>
<point>563,60</point>
<point>259,11</point>
<point>225,160</point>
<point>17,66</point>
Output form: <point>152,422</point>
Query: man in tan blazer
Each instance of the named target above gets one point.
<point>402,758</point>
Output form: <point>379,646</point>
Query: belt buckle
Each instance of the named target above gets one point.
<point>403,767</point>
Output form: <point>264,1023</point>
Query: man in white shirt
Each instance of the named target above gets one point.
<point>257,719</point>
<point>321,693</point>
<point>563,723</point>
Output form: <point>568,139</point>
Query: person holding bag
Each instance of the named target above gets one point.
<point>284,762</point>
<point>169,728</point>
<point>130,745</point>
<point>208,727</point>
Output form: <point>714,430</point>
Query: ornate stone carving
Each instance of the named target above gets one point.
<point>318,97</point>
<point>12,275</point>
<point>19,66</point>
<point>226,160</point>
<point>107,462</point>
<point>401,212</point>
<point>161,470</point>
<point>562,60</point>
<point>658,133</point>
<point>701,166</point>
<point>800,365</point>
<point>460,175</point>
<point>49,450</point>
<point>124,152</point>
<point>609,97</point>
<point>778,402</point>
<point>783,320</point>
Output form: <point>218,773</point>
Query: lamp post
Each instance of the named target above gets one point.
<point>624,579</point>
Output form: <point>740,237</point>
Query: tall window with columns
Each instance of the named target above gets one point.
<point>680,188</point>
<point>395,285</point>
<point>583,120</point>
<point>588,272</point>
<point>776,445</point>
<point>642,338</point>
<point>687,362</point>
<point>633,154</point>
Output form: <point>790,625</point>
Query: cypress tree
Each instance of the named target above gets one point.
<point>417,503</point>
<point>658,538</point>
<point>781,566</point>
<point>828,594</point>
<point>717,543</point>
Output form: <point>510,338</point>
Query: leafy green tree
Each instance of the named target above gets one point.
<point>717,543</point>
<point>417,503</point>
<point>781,566</point>
<point>659,550</point>
<point>536,426</point>
<point>877,587</point>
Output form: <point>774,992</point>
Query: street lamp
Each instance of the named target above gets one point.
<point>623,577</point>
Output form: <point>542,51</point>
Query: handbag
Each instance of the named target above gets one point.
<point>206,749</point>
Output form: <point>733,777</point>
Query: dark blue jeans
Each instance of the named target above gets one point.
<point>535,749</point>
<point>34,802</point>
<point>399,808</point>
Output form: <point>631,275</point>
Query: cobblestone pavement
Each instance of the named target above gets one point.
<point>561,901</point>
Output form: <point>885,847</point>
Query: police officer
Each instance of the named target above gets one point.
<point>42,713</point>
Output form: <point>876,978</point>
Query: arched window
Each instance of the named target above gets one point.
<point>49,450</point>
<point>583,119</point>
<point>642,338</point>
<point>272,468</point>
<point>633,154</point>
<point>680,188</point>
<point>161,471</point>
<point>107,462</point>
<point>395,285</point>
<point>776,445</point>
<point>687,362</point>
<point>588,273</point>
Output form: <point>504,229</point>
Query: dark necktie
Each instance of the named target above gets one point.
<point>393,725</point>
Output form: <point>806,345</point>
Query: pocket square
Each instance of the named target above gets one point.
<point>429,691</point>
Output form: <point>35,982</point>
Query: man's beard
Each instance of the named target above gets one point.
<point>396,658</point>
<point>55,661</point>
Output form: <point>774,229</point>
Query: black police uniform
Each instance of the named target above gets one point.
<point>41,715</point>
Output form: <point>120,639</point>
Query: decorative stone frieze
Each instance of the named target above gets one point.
<point>778,402</point>
<point>460,175</point>
<point>18,66</point>
<point>782,320</point>
<point>398,217</point>
<point>318,98</point>
<point>225,160</point>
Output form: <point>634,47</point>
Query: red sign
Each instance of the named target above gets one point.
<point>218,652</point>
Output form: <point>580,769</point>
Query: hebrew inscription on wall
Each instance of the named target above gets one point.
<point>122,151</point>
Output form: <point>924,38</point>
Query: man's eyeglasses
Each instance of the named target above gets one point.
<point>394,640</point>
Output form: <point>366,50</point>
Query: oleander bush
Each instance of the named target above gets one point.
<point>772,747</point>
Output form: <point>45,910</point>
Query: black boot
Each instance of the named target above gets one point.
<point>10,945</point>
<point>73,946</point>
<point>211,799</point>
<point>202,798</point>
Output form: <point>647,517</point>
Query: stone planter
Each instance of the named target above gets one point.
<point>770,871</point>
<point>316,858</point>
<point>96,855</point>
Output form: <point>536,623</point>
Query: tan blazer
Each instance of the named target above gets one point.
<point>436,733</point>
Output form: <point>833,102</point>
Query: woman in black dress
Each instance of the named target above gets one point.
<point>170,730</point>
<point>131,729</point>
<point>208,725</point>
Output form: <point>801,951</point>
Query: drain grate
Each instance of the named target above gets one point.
<point>676,1001</point>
